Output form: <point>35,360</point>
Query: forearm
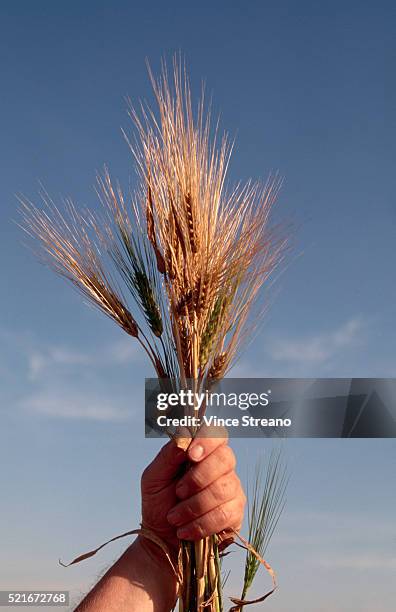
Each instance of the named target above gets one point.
<point>140,580</point>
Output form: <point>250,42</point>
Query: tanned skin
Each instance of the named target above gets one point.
<point>207,498</point>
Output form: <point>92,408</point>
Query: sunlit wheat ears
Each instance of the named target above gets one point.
<point>68,249</point>
<point>178,264</point>
<point>190,252</point>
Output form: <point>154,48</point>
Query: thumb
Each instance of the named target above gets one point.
<point>164,468</point>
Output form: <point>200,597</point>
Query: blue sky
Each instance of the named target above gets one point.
<point>307,88</point>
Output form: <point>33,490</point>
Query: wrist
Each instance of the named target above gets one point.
<point>154,558</point>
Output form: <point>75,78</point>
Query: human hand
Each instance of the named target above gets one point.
<point>207,498</point>
<point>185,495</point>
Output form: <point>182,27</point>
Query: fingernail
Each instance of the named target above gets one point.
<point>196,452</point>
<point>173,516</point>
<point>182,533</point>
<point>182,490</point>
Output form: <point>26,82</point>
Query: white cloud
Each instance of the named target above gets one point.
<point>316,349</point>
<point>74,404</point>
<point>47,358</point>
<point>124,351</point>
<point>67,356</point>
<point>36,364</point>
<point>64,381</point>
<point>39,361</point>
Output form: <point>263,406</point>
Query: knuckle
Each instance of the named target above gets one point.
<point>239,490</point>
<point>196,478</point>
<point>238,515</point>
<point>198,530</point>
<point>146,472</point>
<point>222,434</point>
<point>145,478</point>
<point>222,516</point>
<point>191,510</point>
<point>241,508</point>
<point>227,487</point>
<point>161,453</point>
<point>242,496</point>
<point>226,457</point>
<point>235,484</point>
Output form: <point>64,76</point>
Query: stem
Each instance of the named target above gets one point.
<point>200,571</point>
<point>218,568</point>
<point>147,351</point>
<point>201,562</point>
<point>202,545</point>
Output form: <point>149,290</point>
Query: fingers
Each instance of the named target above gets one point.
<point>223,517</point>
<point>163,469</point>
<point>224,489</point>
<point>208,440</point>
<point>211,467</point>
<point>211,494</point>
<point>166,465</point>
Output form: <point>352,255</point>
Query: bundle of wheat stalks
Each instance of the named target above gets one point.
<point>192,253</point>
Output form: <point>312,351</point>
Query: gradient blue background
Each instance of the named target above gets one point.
<point>305,87</point>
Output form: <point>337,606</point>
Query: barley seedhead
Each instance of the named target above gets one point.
<point>191,253</point>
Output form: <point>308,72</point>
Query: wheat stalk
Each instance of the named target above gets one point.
<point>191,253</point>
<point>265,506</point>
